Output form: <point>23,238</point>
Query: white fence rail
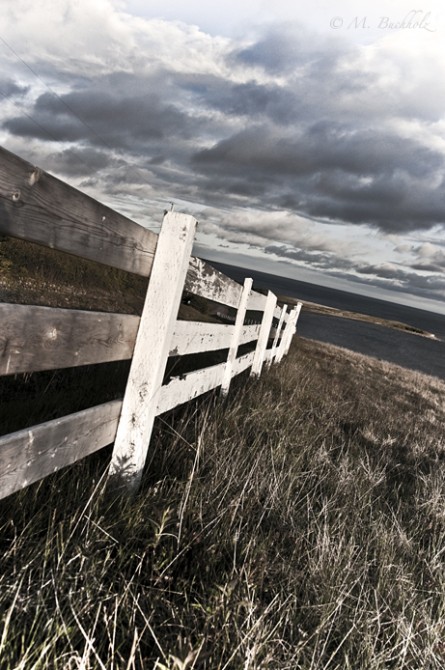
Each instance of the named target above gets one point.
<point>37,207</point>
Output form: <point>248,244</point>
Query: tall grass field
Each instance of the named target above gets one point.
<point>298,524</point>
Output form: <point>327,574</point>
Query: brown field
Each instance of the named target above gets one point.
<point>296,525</point>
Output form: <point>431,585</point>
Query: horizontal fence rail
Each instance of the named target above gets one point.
<point>39,208</point>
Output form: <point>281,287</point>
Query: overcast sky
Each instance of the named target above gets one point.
<point>309,142</point>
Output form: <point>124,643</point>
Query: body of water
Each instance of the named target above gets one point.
<point>408,350</point>
<point>405,349</point>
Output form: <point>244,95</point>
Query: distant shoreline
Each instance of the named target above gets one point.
<point>335,302</point>
<point>357,316</point>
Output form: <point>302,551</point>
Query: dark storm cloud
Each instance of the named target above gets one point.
<point>297,125</point>
<point>401,279</point>
<point>322,147</point>
<point>327,73</point>
<point>316,259</point>
<point>45,127</point>
<point>79,161</point>
<point>385,275</point>
<point>431,287</point>
<point>428,267</point>
<point>383,271</point>
<point>250,99</point>
<point>274,52</point>
<point>431,258</point>
<point>285,48</point>
<point>320,260</point>
<point>9,88</point>
<point>121,112</point>
<point>320,144</point>
<point>394,202</point>
<point>330,171</point>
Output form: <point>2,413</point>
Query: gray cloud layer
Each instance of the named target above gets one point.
<point>290,122</point>
<point>308,143</point>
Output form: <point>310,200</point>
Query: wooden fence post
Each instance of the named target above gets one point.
<point>277,335</point>
<point>288,332</point>
<point>239,322</point>
<point>285,335</point>
<point>294,327</point>
<point>263,336</point>
<point>151,350</point>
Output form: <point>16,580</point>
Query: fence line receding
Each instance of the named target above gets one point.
<point>37,207</point>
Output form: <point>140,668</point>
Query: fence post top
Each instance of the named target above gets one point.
<point>178,217</point>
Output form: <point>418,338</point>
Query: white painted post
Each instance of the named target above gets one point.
<point>151,350</point>
<point>239,322</point>
<point>277,335</point>
<point>294,327</point>
<point>289,332</point>
<point>263,336</point>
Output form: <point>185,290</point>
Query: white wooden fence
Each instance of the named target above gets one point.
<point>38,207</point>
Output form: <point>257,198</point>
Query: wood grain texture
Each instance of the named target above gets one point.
<point>189,386</point>
<point>278,312</point>
<point>209,283</point>
<point>43,338</point>
<point>242,363</point>
<point>278,333</point>
<point>265,334</point>
<point>236,336</point>
<point>29,455</point>
<point>191,337</point>
<point>288,332</point>
<point>36,206</point>
<point>257,302</point>
<point>152,347</point>
<point>249,333</point>
<point>293,328</point>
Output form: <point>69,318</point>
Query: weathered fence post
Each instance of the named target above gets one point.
<point>263,336</point>
<point>288,332</point>
<point>277,336</point>
<point>239,322</point>
<point>294,328</point>
<point>151,350</point>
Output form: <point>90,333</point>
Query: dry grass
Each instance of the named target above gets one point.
<point>34,275</point>
<point>299,524</point>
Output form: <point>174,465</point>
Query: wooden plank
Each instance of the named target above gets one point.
<point>152,347</point>
<point>242,363</point>
<point>36,206</point>
<point>257,302</point>
<point>189,386</point>
<point>293,329</point>
<point>278,332</point>
<point>209,283</point>
<point>191,337</point>
<point>237,332</point>
<point>285,336</point>
<point>43,338</point>
<point>249,333</point>
<point>29,455</point>
<point>264,335</point>
<point>288,333</point>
